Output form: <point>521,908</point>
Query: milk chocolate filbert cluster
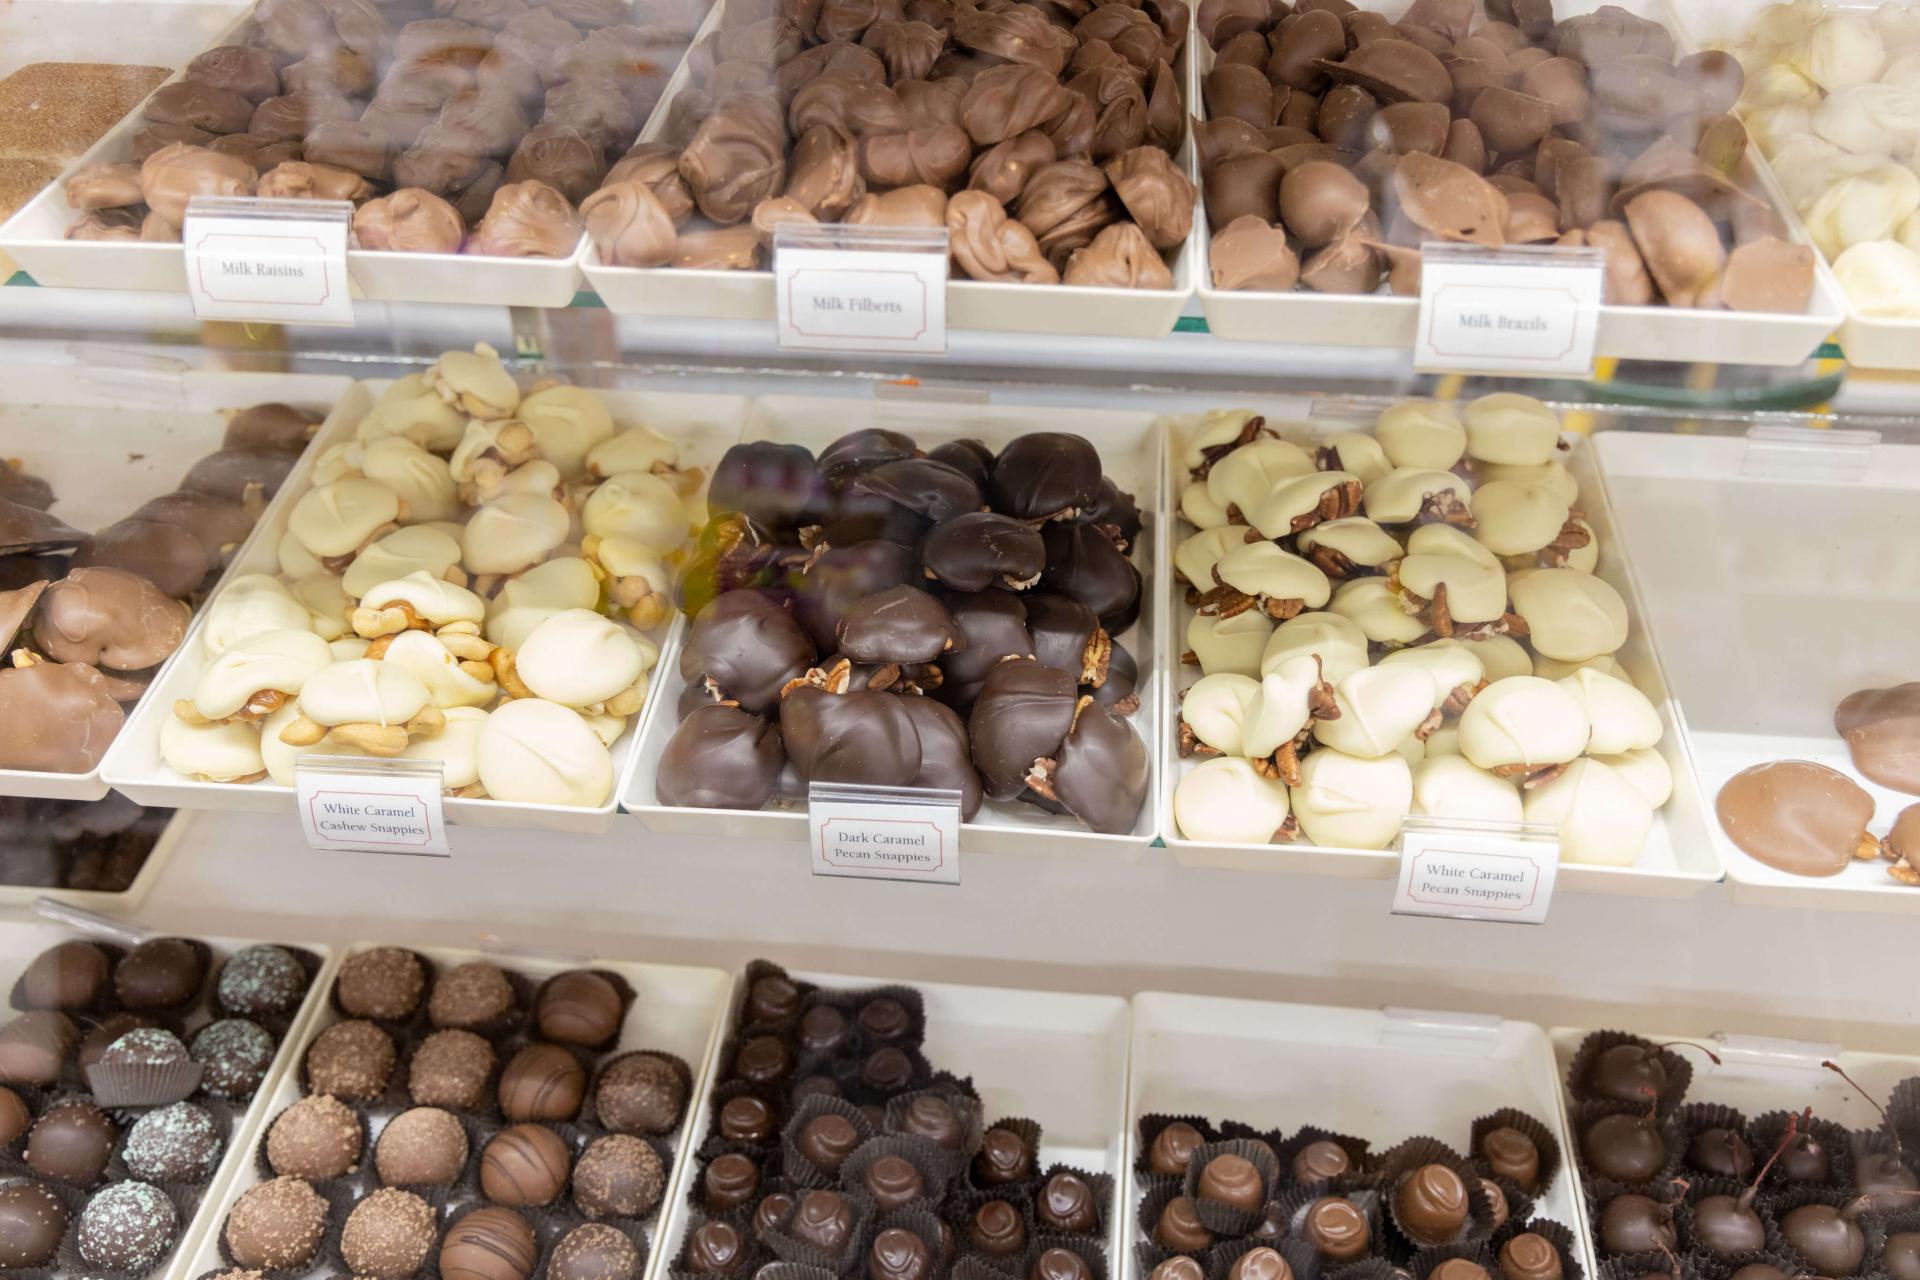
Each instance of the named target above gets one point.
<point>1040,135</point>
<point>477,129</point>
<point>1339,141</point>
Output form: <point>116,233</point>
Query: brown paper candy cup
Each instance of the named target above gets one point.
<point>1401,1162</point>
<point>1871,1227</point>
<point>1100,1184</point>
<point>1903,1112</point>
<point>1088,1251</point>
<point>1767,1132</point>
<point>1702,1188</point>
<point>1705,1268</point>
<point>914,1031</point>
<point>964,1202</point>
<point>744,1020</point>
<point>1426,1261</point>
<point>1537,1132</point>
<point>966,1109</point>
<point>1219,1216</point>
<point>1636,1266</point>
<point>1365,1269</point>
<point>1292,1206</point>
<point>1299,1255</point>
<point>932,1164</point>
<point>139,1084</point>
<point>1150,1127</point>
<point>796,1165</point>
<point>867,1086</point>
<point>1160,1193</point>
<point>1579,1084</point>
<point>1029,1134</point>
<point>1585,1114</point>
<point>789,1248</point>
<point>1557,1234</point>
<point>1359,1152</point>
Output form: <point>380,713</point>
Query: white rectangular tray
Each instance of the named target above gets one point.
<point>172,836</point>
<point>705,424</point>
<point>1130,451</point>
<point>1629,333</point>
<point>1773,593</point>
<point>1383,1075</point>
<point>1078,310</point>
<point>677,1009</point>
<point>1056,1058</point>
<point>21,939</point>
<point>108,439</point>
<point>1679,858</point>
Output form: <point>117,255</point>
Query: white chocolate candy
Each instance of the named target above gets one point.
<point>1870,119</point>
<point>1216,709</point>
<point>536,752</point>
<point>1500,656</point>
<point>1603,820</point>
<point>423,481</point>
<point>413,410</point>
<point>277,661</point>
<point>295,560</point>
<point>347,648</point>
<point>1570,615</point>
<point>1513,429</point>
<point>536,595</point>
<point>1554,669</point>
<point>1621,717</point>
<point>1225,801</point>
<point>639,505</point>
<point>1450,664</point>
<point>538,476</point>
<point>1348,802</point>
<point>250,604</point>
<point>1340,645</point>
<point>337,519</point>
<point>220,752</point>
<point>426,657</point>
<point>513,532</point>
<point>635,448</point>
<point>1769,127</point>
<point>1412,750</point>
<point>1398,496</point>
<point>1899,27</point>
<point>328,607</point>
<point>1841,49</point>
<point>1445,540</point>
<point>1210,430</point>
<point>1379,707</point>
<point>1444,741</point>
<point>434,599</point>
<point>1421,435</point>
<point>475,382</point>
<point>1359,454</point>
<point>1278,514</point>
<point>1515,519</point>
<point>1523,720</point>
<point>1862,207</point>
<point>578,658</point>
<point>1201,511</point>
<point>1903,72</point>
<point>1282,707</point>
<point>1262,569</point>
<point>456,747</point>
<point>363,691</point>
<point>1551,475</point>
<point>1476,592</point>
<point>1646,771</point>
<point>416,548</point>
<point>1245,477</point>
<point>1232,644</point>
<point>1357,538</point>
<point>278,757</point>
<point>1450,786</point>
<point>608,728</point>
<point>1371,605</point>
<point>1778,85</point>
<point>1585,559</point>
<point>567,422</point>
<point>1195,557</point>
<point>1881,279</point>
<point>630,558</point>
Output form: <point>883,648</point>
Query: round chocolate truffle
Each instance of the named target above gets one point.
<point>579,1008</point>
<point>933,1119</point>
<point>827,1140</point>
<point>1900,1256</point>
<point>159,974</point>
<point>1631,1072</point>
<point>542,1082</point>
<point>261,982</point>
<point>32,1222</point>
<point>824,1220</point>
<point>316,1137</point>
<point>730,1181</point>
<point>618,1175</point>
<point>1724,1227</point>
<point>887,1069</point>
<point>1232,1180</point>
<point>640,1093</point>
<point>33,1046</point>
<point>524,1165</point>
<point>884,1020</point>
<point>1320,1160</point>
<point>815,1087</point>
<point>1173,1147</point>
<point>771,999</point>
<point>1178,1267</point>
<point>1431,1204</point>
<point>14,1116</point>
<point>71,1141</point>
<point>998,1230</point>
<point>145,1047</point>
<point>773,1212</point>
<point>351,1060</point>
<point>594,1251</point>
<point>1004,1157</point>
<point>763,1060</point>
<point>746,1119</point>
<point>95,1043</point>
<point>898,1254</point>
<point>1337,1228</point>
<point>276,1225</point>
<point>1805,1160</point>
<point>1635,1224</point>
<point>893,1182</point>
<point>388,1235</point>
<point>1721,1151</point>
<point>1511,1154</point>
<point>1260,1264</point>
<point>823,1029</point>
<point>1832,1242</point>
<point>177,1143</point>
<point>1179,1228</point>
<point>67,976</point>
<point>451,1069</point>
<point>236,1054</point>
<point>1459,1269</point>
<point>421,1147</point>
<point>1059,1264</point>
<point>1530,1256</point>
<point>471,995</point>
<point>715,1248</point>
<point>1066,1203</point>
<point>488,1244</point>
<point>1626,1148</point>
<point>1886,1182</point>
<point>128,1226</point>
<point>383,982</point>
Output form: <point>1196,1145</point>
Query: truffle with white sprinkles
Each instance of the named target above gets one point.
<point>262,981</point>
<point>236,1054</point>
<point>129,1226</point>
<point>178,1143</point>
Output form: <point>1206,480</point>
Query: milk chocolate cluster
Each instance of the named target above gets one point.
<point>85,619</point>
<point>1040,135</point>
<point>1339,141</point>
<point>888,616</point>
<point>474,126</point>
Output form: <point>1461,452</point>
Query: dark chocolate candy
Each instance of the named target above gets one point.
<point>968,456</point>
<point>1101,771</point>
<point>748,646</point>
<point>1066,1203</point>
<point>776,485</point>
<point>1336,1227</point>
<point>933,1119</point>
<point>859,737</point>
<point>823,1028</point>
<point>833,580</point>
<point>901,624</point>
<point>982,549</point>
<point>998,1230</point>
<point>1021,716</point>
<point>1826,1237</point>
<point>824,1220</point>
<point>32,1222</point>
<point>67,976</point>
<point>893,1182</point>
<point>1721,1151</point>
<point>863,450</point>
<point>1172,1149</point>
<point>1179,1227</point>
<point>730,1181</point>
<point>1320,1160</point>
<point>945,761</point>
<point>1004,1156</point>
<point>71,1141</point>
<point>899,1254</point>
<point>1635,1223</point>
<point>716,1248</point>
<point>1083,564</point>
<point>746,1119</point>
<point>1045,475</point>
<point>1626,1148</point>
<point>1631,1072</point>
<point>721,757</point>
<point>1723,1226</point>
<point>827,1140</point>
<point>994,623</point>
<point>930,489</point>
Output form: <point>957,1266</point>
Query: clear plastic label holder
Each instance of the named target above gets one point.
<point>273,261</point>
<point>1522,311</point>
<point>884,833</point>
<point>1459,869</point>
<point>81,920</point>
<point>1806,455</point>
<point>364,805</point>
<point>839,287</point>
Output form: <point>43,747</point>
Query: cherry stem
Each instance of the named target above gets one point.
<point>1786,1140</point>
<point>1673,1044</point>
<point>1836,1069</point>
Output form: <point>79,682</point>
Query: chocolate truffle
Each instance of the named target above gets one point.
<point>716,1248</point>
<point>823,1028</point>
<point>933,1119</point>
<point>388,1235</point>
<point>998,1230</point>
<point>1335,1226</point>
<point>383,982</point>
<point>884,1020</point>
<point>1899,1257</point>
<point>495,1244</point>
<point>763,1060</point>
<point>579,1008</point>
<point>594,1251</point>
<point>640,1093</point>
<point>1888,1184</point>
<point>97,1040</point>
<point>351,1060</point>
<point>893,1182</point>
<point>1066,1204</point>
<point>542,1082</point>
<point>1635,1224</point>
<point>317,1137</point>
<point>472,995</point>
<point>1630,1072</point>
<point>824,1220</point>
<point>1179,1227</point>
<point>128,1226</point>
<point>1723,1226</point>
<point>71,1141</point>
<point>1626,1148</point>
<point>1511,1154</point>
<point>771,999</point>
<point>773,1212</point>
<point>1826,1238</point>
<point>730,1181</point>
<point>1721,1151</point>
<point>176,1143</point>
<point>620,1175</point>
<point>827,1140</point>
<point>1260,1264</point>
<point>1004,1156</point>
<point>159,974</point>
<point>1806,1159</point>
<point>1458,1269</point>
<point>146,1047</point>
<point>67,976</point>
<point>276,1225</point>
<point>746,1119</point>
<point>424,1146</point>
<point>887,1069</point>
<point>1172,1148</point>
<point>236,1054</point>
<point>14,1116</point>
<point>1059,1264</point>
<point>1232,1180</point>
<point>1431,1205</point>
<point>261,982</point>
<point>898,1254</point>
<point>1882,732</point>
<point>1178,1267</point>
<point>451,1069</point>
<point>32,1222</point>
<point>524,1165</point>
<point>1320,1160</point>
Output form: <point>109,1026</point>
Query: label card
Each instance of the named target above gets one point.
<point>884,833</point>
<point>277,261</point>
<point>371,806</point>
<point>1476,870</point>
<point>1527,310</point>
<point>846,288</point>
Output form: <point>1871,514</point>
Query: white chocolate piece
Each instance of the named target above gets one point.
<point>250,604</point>
<point>1380,707</point>
<point>536,752</point>
<point>1348,802</point>
<point>1646,771</point>
<point>337,519</point>
<point>1554,669</point>
<point>1217,707</point>
<point>456,747</point>
<point>1476,592</point>
<point>277,661</point>
<point>513,532</point>
<point>413,410</point>
<point>1621,717</point>
<point>1359,454</point>
<point>1201,511</point>
<point>1841,49</point>
<point>635,448</point>
<point>1515,519</point>
<point>426,657</point>
<point>638,505</point>
<point>1225,801</point>
<point>278,757</point>
<point>1449,663</point>
<point>1355,537</point>
<point>1500,656</point>
<point>1421,435</point>
<point>1262,569</point>
<point>423,481</point>
<point>1397,497</point>
<point>1210,430</point>
<point>219,752</point>
<point>416,548</point>
<point>1444,741</point>
<point>1195,557</point>
<point>1862,207</point>
<point>294,558</point>
<point>1770,127</point>
<point>1282,707</point>
<point>538,476</point>
<point>1881,279</point>
<point>1603,819</point>
<point>328,607</point>
<point>1450,786</point>
<point>347,648</point>
<point>578,658</point>
<point>475,382</point>
<point>1551,475</point>
<point>435,600</point>
<point>1899,27</point>
<point>1293,500</point>
<point>567,422</point>
<point>536,595</point>
<point>608,728</point>
<point>1371,605</point>
<point>1570,615</point>
<point>1510,428</point>
<point>363,691</point>
<point>1232,644</point>
<point>1412,750</point>
<point>1445,540</point>
<point>1869,119</point>
<point>1523,720</point>
<point>1903,72</point>
<point>1778,85</point>
<point>1340,645</point>
<point>1245,477</point>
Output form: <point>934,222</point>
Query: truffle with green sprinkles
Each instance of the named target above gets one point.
<point>236,1054</point>
<point>179,1143</point>
<point>145,1047</point>
<point>129,1226</point>
<point>261,982</point>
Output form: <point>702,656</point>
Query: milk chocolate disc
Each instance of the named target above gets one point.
<point>1882,729</point>
<point>1795,816</point>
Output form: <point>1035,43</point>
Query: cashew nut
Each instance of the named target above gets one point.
<point>372,739</point>
<point>387,620</point>
<point>303,732</point>
<point>506,674</point>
